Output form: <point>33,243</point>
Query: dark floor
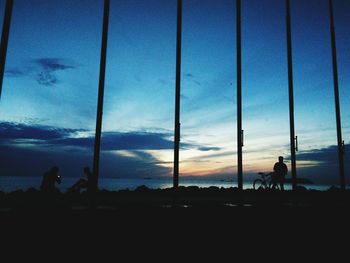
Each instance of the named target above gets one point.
<point>150,224</point>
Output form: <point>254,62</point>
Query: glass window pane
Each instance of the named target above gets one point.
<point>342,18</point>
<point>265,88</point>
<point>138,121</point>
<point>314,94</point>
<point>208,113</point>
<point>48,105</point>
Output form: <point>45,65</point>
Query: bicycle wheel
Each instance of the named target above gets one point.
<point>274,186</point>
<point>258,184</point>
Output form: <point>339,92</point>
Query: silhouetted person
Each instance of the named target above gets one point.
<point>49,179</point>
<point>280,171</point>
<point>82,183</point>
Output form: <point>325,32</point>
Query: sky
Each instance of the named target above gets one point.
<point>49,98</point>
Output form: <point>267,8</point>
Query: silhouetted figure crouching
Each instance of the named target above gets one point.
<point>50,178</point>
<point>82,183</point>
<point>280,171</point>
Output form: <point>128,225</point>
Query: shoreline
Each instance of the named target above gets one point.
<point>10,184</point>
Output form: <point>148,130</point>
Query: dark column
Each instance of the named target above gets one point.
<point>336,97</point>
<point>93,185</point>
<point>291,96</point>
<point>177,95</point>
<point>239,97</point>
<point>5,39</point>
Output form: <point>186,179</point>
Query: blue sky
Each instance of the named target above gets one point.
<point>48,105</point>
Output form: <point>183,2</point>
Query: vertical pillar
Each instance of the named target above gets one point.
<point>93,185</point>
<point>336,97</point>
<point>239,96</point>
<point>177,95</point>
<point>291,96</point>
<point>5,39</point>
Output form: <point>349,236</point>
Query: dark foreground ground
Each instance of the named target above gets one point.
<point>190,198</point>
<point>176,221</point>
<point>204,204</point>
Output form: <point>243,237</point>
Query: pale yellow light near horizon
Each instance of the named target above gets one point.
<point>260,152</point>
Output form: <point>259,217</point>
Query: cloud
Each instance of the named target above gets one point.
<point>112,141</point>
<point>136,140</point>
<point>321,165</point>
<point>206,149</point>
<point>43,70</point>
<point>322,156</point>
<point>31,149</point>
<point>217,156</point>
<point>14,73</point>
<point>16,161</point>
<point>46,78</point>
<point>141,164</point>
<point>52,64</point>
<point>49,66</point>
<point>14,133</point>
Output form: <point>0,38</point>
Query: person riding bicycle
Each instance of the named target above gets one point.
<point>280,171</point>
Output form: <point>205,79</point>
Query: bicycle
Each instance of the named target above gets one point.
<point>265,182</point>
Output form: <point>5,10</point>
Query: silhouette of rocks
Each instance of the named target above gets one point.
<point>189,197</point>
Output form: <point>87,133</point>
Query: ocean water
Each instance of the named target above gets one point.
<point>13,183</point>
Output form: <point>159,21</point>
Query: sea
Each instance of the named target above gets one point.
<point>14,183</point>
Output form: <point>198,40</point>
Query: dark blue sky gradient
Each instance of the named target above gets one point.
<point>51,82</point>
